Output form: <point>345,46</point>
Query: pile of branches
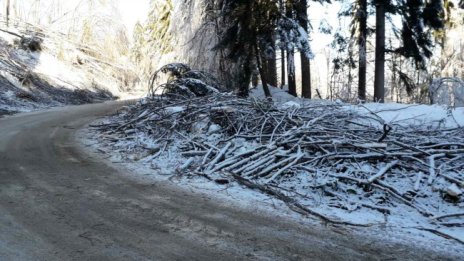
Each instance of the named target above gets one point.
<point>178,80</point>
<point>350,160</point>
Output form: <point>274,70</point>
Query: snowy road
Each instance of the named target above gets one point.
<point>57,203</point>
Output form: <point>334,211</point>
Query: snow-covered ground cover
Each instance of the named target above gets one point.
<point>394,114</point>
<point>43,69</point>
<point>368,165</point>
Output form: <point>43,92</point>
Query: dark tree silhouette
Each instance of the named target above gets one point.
<point>247,37</point>
<point>302,17</point>
<point>291,78</point>
<point>362,41</point>
<point>419,20</point>
<point>7,13</point>
<point>379,79</point>
<point>282,50</point>
<point>418,17</point>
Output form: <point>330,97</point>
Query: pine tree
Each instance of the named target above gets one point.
<point>379,78</point>
<point>282,50</point>
<point>359,32</point>
<point>270,60</point>
<point>293,37</point>
<point>291,76</point>
<point>441,36</point>
<point>7,13</point>
<point>250,38</point>
<point>153,36</point>
<point>419,18</point>
<point>302,17</point>
<point>247,38</point>
<point>362,43</point>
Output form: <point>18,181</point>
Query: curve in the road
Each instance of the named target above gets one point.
<point>57,203</point>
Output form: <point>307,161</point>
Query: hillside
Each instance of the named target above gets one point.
<point>40,69</point>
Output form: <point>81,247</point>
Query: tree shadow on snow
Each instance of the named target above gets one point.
<point>22,87</point>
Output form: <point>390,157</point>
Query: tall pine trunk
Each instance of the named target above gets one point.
<point>7,13</point>
<point>362,50</point>
<point>393,77</point>
<point>283,72</point>
<point>291,72</point>
<point>262,68</point>
<point>282,52</point>
<point>289,8</point>
<point>305,76</point>
<point>244,77</point>
<point>302,17</point>
<point>271,65</point>
<point>379,82</point>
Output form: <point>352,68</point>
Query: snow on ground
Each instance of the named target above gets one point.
<point>319,190</point>
<point>278,95</point>
<point>59,73</point>
<point>394,114</point>
<point>414,114</point>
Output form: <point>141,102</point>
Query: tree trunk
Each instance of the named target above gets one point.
<point>394,80</point>
<point>271,65</point>
<point>282,52</point>
<point>282,68</point>
<point>262,72</point>
<point>7,13</point>
<point>272,72</point>
<point>302,17</point>
<point>245,75</point>
<point>379,82</point>
<point>350,82</point>
<point>289,8</point>
<point>398,90</point>
<point>328,60</point>
<point>362,50</point>
<point>291,72</point>
<point>305,76</point>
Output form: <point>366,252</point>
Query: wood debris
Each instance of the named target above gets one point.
<point>297,152</point>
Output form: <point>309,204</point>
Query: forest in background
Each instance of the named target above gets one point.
<point>420,46</point>
<point>402,51</point>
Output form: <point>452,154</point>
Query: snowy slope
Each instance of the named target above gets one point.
<point>60,73</point>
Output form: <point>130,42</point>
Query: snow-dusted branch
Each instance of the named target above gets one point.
<point>316,149</point>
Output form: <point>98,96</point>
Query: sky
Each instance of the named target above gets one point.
<point>133,11</point>
<point>318,13</point>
